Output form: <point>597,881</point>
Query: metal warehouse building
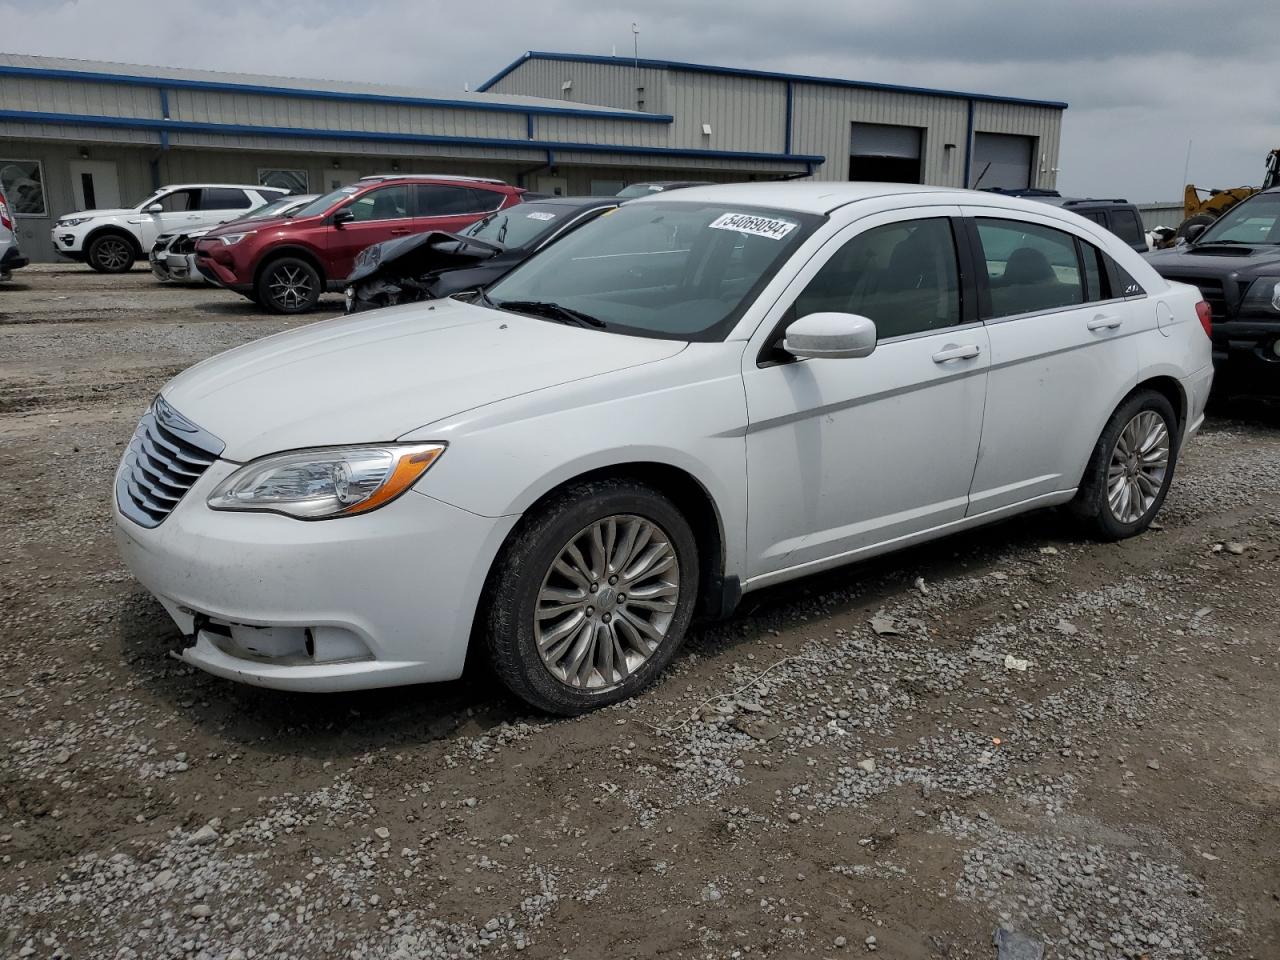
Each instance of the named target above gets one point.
<point>76,134</point>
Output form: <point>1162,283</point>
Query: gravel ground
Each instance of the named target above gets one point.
<point>1021,729</point>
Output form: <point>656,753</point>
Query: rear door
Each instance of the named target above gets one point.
<point>1063,351</point>
<point>220,204</point>
<point>451,208</point>
<point>380,214</point>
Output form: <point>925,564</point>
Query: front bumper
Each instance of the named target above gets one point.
<point>178,267</point>
<point>218,273</point>
<point>377,600</point>
<point>68,241</point>
<point>1246,354</point>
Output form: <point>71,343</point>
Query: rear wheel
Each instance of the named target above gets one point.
<point>110,253</point>
<point>1131,468</point>
<point>288,285</point>
<point>592,597</point>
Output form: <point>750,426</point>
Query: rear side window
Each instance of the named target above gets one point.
<point>1125,225</point>
<point>442,200</point>
<point>901,275</point>
<point>223,198</point>
<point>1029,267</point>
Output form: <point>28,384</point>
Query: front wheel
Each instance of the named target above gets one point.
<point>591,598</point>
<point>288,285</point>
<point>1131,468</point>
<point>110,253</point>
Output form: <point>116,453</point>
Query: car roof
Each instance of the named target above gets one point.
<point>572,202</point>
<point>815,196</point>
<point>230,186</point>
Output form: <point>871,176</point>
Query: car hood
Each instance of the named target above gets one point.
<point>1189,260</point>
<point>122,212</point>
<point>422,253</point>
<point>373,377</point>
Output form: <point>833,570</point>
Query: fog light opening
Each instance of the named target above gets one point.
<point>1275,348</point>
<point>310,643</point>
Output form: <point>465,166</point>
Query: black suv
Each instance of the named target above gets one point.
<point>1235,262</point>
<point>1119,216</point>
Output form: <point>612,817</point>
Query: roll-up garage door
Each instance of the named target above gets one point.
<point>885,153</point>
<point>1001,160</point>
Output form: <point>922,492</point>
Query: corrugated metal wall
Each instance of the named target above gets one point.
<point>824,117</point>
<point>595,84</point>
<point>1161,214</point>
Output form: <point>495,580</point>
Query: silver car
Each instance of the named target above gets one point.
<point>173,255</point>
<point>11,257</point>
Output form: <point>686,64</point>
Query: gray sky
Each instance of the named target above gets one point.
<point>1142,76</point>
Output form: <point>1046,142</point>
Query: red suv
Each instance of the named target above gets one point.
<point>285,263</point>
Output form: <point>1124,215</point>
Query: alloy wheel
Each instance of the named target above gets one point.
<point>112,254</point>
<point>1139,462</point>
<point>607,602</point>
<point>290,287</point>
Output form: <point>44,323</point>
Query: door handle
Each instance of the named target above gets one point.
<point>400,231</point>
<point>1103,322</point>
<point>967,352</point>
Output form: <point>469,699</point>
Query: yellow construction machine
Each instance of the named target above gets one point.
<point>1217,202</point>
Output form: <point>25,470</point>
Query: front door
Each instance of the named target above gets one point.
<point>179,212</point>
<point>95,185</point>
<point>1061,345</point>
<point>380,215</point>
<point>844,455</point>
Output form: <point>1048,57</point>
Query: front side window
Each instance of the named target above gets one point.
<point>1257,220</point>
<point>177,201</point>
<point>1029,267</point>
<point>902,275</point>
<point>678,270</point>
<point>385,203</point>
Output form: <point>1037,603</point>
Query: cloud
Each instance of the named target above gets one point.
<point>1140,79</point>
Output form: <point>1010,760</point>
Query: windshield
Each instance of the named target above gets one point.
<point>1254,221</point>
<point>146,201</point>
<point>681,271</point>
<point>317,207</point>
<point>519,225</point>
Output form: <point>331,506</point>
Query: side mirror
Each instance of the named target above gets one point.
<point>831,336</point>
<point>343,216</point>
<point>156,208</point>
<point>1194,231</point>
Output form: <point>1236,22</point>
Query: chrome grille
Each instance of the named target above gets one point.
<point>168,453</point>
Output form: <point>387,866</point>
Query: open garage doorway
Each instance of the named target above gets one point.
<point>885,153</point>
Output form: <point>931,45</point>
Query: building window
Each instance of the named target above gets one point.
<point>295,181</point>
<point>23,184</point>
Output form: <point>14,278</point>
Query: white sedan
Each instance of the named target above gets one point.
<point>698,395</point>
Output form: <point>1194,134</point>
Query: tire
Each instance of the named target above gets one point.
<point>288,285</point>
<point>1199,218</point>
<point>1122,491</point>
<point>533,559</point>
<point>111,253</point>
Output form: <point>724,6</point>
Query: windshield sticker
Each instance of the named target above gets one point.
<point>756,226</point>
<point>540,215</point>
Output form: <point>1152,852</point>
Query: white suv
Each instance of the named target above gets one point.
<point>111,240</point>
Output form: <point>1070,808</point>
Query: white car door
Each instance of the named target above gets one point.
<point>845,455</point>
<point>180,211</point>
<point>1063,352</point>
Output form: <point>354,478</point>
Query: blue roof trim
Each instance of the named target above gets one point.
<point>310,133</point>
<point>762,75</point>
<point>171,83</point>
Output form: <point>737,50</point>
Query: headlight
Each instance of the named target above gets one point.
<point>369,257</point>
<point>322,482</point>
<point>1263,296</point>
<point>231,238</point>
<point>73,221</point>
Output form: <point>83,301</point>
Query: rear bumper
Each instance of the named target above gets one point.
<point>1246,356</point>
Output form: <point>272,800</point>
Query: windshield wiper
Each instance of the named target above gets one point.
<point>551,311</point>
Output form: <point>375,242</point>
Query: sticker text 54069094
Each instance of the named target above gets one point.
<point>756,226</point>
